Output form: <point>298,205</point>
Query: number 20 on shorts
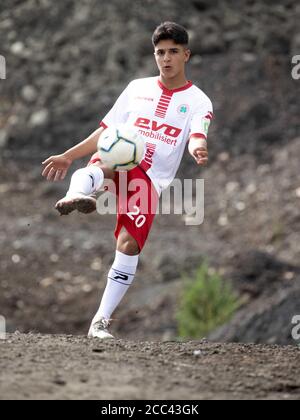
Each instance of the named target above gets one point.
<point>138,218</point>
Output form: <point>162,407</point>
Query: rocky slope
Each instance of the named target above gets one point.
<point>66,64</point>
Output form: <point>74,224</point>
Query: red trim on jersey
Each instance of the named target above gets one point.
<point>163,105</point>
<point>145,165</point>
<point>166,98</point>
<point>170,92</point>
<point>163,102</point>
<point>147,162</point>
<point>163,108</point>
<point>103,125</point>
<point>209,116</point>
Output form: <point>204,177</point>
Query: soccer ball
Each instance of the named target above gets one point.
<point>121,148</point>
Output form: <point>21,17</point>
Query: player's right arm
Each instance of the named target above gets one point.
<point>56,167</point>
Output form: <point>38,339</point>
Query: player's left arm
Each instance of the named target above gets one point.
<point>198,149</point>
<point>200,123</point>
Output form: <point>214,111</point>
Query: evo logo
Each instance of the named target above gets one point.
<point>168,130</point>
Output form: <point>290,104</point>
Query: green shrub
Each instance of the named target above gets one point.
<point>207,302</point>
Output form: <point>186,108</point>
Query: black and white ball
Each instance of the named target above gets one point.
<point>121,148</point>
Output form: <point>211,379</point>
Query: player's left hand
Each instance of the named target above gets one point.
<point>200,154</point>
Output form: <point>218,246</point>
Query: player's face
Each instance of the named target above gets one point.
<point>171,58</point>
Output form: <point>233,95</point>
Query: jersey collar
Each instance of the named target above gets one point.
<point>171,91</point>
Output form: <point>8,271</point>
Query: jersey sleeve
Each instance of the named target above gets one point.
<point>201,120</point>
<point>119,112</point>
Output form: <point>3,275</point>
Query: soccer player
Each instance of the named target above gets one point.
<point>169,111</point>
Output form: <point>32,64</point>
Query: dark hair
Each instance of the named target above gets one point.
<point>170,30</point>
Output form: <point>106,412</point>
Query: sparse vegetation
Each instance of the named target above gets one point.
<point>207,302</point>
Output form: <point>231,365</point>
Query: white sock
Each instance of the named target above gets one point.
<point>86,180</point>
<point>120,277</point>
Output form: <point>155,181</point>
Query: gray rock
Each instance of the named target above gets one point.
<point>263,321</point>
<point>29,93</point>
<point>39,118</point>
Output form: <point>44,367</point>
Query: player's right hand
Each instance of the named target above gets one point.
<point>56,167</point>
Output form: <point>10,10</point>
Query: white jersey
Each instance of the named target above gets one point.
<point>166,118</point>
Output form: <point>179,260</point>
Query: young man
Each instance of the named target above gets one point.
<point>169,112</point>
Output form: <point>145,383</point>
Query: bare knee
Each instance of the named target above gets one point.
<point>127,244</point>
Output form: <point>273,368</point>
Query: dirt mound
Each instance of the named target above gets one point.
<point>68,367</point>
<point>66,64</point>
